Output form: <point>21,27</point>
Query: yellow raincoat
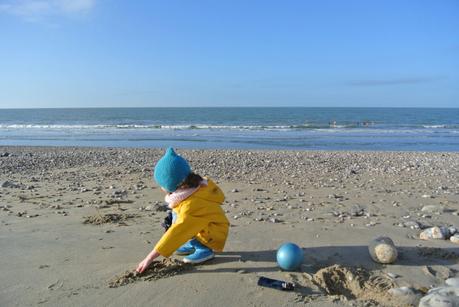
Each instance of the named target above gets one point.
<point>200,216</point>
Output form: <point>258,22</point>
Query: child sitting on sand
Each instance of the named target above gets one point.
<point>200,226</point>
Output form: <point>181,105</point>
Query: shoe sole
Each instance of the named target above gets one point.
<point>184,253</point>
<point>198,260</point>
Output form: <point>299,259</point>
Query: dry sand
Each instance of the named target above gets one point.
<point>75,221</point>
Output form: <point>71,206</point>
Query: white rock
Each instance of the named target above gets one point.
<point>434,233</point>
<point>433,209</point>
<point>455,238</point>
<point>412,224</point>
<point>405,296</point>
<point>382,250</point>
<point>453,282</point>
<point>441,297</point>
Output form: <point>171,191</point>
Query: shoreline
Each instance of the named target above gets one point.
<point>213,149</point>
<point>331,203</point>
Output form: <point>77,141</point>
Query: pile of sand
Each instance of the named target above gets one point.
<point>158,269</point>
<point>116,218</point>
<point>354,284</point>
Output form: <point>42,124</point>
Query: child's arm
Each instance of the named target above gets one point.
<point>147,261</point>
<point>186,226</point>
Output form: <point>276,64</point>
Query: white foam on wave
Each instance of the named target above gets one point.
<point>434,126</point>
<point>285,128</point>
<point>37,126</point>
<point>153,126</point>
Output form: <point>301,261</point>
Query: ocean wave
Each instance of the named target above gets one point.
<point>40,126</point>
<point>155,126</point>
<point>306,126</point>
<point>434,126</point>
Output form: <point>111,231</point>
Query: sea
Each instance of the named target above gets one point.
<point>290,128</point>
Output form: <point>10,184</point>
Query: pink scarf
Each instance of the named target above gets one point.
<point>175,198</point>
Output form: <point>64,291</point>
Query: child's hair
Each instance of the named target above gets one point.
<point>191,181</point>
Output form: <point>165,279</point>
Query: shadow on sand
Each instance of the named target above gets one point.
<point>316,258</point>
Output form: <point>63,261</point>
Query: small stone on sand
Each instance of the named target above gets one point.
<point>455,238</point>
<point>434,233</point>
<point>383,250</point>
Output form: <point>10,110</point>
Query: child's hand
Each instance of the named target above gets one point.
<point>144,265</point>
<point>147,261</point>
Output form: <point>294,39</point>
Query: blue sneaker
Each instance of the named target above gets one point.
<point>202,253</point>
<point>185,249</point>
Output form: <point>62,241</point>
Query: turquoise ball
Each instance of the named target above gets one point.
<point>289,256</point>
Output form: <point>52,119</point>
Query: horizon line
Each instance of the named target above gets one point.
<point>223,107</point>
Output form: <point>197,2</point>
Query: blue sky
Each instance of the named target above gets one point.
<point>102,53</point>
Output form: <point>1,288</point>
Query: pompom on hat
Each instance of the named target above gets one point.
<point>171,170</point>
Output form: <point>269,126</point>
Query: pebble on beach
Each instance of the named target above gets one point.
<point>441,297</point>
<point>9,184</point>
<point>433,209</point>
<point>455,238</point>
<point>405,295</point>
<point>434,233</point>
<point>453,282</point>
<point>383,250</point>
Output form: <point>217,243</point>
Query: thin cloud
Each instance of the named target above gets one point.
<point>75,5</point>
<point>396,81</point>
<point>33,10</point>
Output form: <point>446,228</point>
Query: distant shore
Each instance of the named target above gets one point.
<point>331,203</point>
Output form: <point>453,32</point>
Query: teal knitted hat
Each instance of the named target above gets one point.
<point>171,170</point>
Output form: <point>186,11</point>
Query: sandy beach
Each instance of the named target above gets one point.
<point>74,220</point>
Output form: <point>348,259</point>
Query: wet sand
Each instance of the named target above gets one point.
<point>73,220</point>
